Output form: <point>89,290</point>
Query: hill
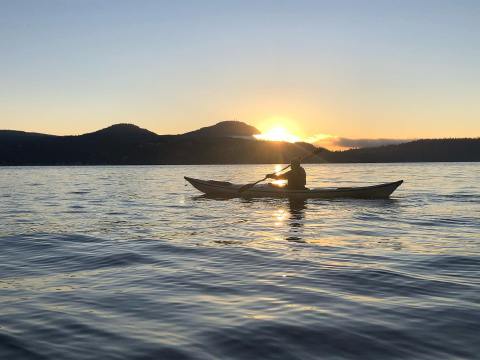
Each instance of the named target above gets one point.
<point>225,129</point>
<point>427,150</point>
<point>124,144</point>
<point>229,142</point>
<point>122,132</point>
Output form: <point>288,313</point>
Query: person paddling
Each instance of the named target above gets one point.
<point>296,178</point>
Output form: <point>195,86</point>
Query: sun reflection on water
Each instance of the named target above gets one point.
<point>279,183</point>
<point>280,216</point>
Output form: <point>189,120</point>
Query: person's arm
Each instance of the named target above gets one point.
<point>279,177</point>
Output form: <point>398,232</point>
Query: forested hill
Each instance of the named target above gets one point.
<point>435,150</point>
<point>228,142</point>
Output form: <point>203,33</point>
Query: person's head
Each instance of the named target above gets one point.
<point>295,164</point>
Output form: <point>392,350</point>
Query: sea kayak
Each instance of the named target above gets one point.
<point>227,189</point>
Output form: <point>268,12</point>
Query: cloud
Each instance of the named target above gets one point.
<point>364,143</point>
<point>333,142</point>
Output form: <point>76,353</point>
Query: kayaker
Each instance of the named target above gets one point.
<point>296,178</point>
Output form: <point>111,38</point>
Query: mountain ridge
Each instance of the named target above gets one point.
<point>227,142</point>
<point>231,128</point>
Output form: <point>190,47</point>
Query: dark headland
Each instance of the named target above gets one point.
<point>228,142</point>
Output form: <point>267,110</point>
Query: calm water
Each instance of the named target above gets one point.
<point>130,263</point>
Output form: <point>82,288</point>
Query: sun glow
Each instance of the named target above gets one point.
<point>278,133</point>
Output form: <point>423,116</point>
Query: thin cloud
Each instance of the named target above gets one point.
<point>365,143</point>
<point>333,142</point>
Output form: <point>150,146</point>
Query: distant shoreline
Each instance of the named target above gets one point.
<point>225,143</point>
<point>234,164</point>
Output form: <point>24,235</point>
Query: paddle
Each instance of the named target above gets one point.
<point>248,186</point>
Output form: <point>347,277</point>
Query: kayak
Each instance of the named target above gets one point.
<point>227,189</point>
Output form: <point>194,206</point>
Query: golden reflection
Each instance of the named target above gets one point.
<point>262,317</point>
<point>300,307</point>
<point>279,183</point>
<point>280,216</point>
<point>363,298</point>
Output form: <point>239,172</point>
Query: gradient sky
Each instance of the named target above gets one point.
<point>357,69</point>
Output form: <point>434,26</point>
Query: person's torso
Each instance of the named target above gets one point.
<point>297,178</point>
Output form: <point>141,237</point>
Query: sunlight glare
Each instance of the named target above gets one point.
<point>278,133</point>
<point>279,183</point>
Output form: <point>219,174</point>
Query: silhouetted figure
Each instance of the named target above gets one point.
<point>296,178</point>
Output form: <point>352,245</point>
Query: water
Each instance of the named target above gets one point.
<point>131,263</point>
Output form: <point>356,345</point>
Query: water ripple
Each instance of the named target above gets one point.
<point>129,263</point>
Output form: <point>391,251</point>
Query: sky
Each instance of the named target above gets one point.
<point>349,69</point>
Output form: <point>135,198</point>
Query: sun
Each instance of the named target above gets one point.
<point>278,133</point>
